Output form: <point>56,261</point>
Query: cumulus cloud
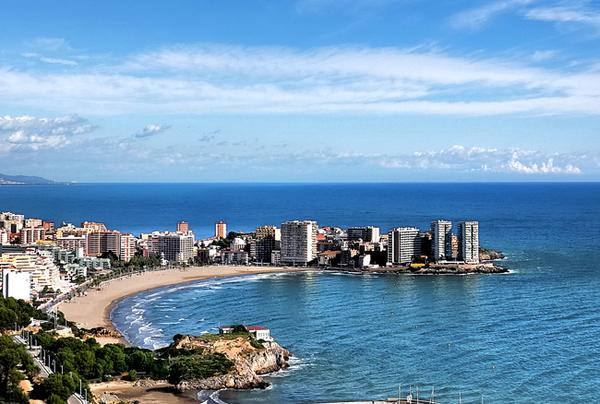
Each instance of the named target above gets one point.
<point>482,159</point>
<point>151,130</point>
<point>29,133</point>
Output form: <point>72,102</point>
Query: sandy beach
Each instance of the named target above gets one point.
<point>93,309</point>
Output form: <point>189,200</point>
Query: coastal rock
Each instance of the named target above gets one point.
<point>486,254</point>
<point>250,362</point>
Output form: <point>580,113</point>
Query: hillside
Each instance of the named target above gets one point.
<point>24,180</point>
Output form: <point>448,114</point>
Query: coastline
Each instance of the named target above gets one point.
<point>93,309</point>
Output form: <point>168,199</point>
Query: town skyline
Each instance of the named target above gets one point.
<point>365,91</point>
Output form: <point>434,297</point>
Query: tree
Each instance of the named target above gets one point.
<point>13,357</point>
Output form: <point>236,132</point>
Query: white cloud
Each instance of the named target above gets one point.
<point>49,60</point>
<point>477,17</point>
<point>565,14</point>
<point>151,130</point>
<point>229,79</point>
<point>543,55</point>
<point>28,133</point>
<point>482,159</point>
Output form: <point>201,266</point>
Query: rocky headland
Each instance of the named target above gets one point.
<point>237,361</point>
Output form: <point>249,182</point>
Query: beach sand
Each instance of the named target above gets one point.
<point>121,391</point>
<point>93,309</point>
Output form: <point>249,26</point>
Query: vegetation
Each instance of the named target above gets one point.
<point>15,364</point>
<point>188,367</point>
<point>226,242</point>
<point>17,312</point>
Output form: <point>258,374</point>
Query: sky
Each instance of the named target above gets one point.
<point>300,90</point>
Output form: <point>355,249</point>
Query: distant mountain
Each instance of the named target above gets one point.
<point>24,180</point>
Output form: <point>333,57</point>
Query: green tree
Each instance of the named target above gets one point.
<point>13,357</point>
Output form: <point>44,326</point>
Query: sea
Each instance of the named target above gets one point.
<point>530,336</point>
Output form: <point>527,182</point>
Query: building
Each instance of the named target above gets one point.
<point>368,234</point>
<point>4,236</point>
<point>127,250</point>
<point>455,247</point>
<point>276,257</point>
<point>183,227</point>
<point>298,242</point>
<point>404,244</point>
<point>30,235</point>
<point>93,226</point>
<point>234,257</point>
<point>71,242</point>
<point>31,222</point>
<point>441,240</point>
<point>175,247</point>
<point>259,332</point>
<point>220,229</point>
<point>16,284</point>
<point>469,241</point>
<point>101,242</point>
<point>267,239</point>
<point>12,222</point>
<point>38,264</point>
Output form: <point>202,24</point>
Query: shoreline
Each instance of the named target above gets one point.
<point>93,309</point>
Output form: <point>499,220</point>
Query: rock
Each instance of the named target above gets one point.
<point>250,362</point>
<point>486,254</point>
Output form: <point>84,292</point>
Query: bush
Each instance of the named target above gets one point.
<point>131,375</point>
<point>198,367</point>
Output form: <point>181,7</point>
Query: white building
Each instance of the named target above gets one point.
<point>16,284</point>
<point>469,241</point>
<point>3,237</point>
<point>259,332</point>
<point>441,239</point>
<point>404,244</point>
<point>174,247</point>
<point>298,242</point>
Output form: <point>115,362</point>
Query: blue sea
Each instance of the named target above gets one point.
<point>529,336</point>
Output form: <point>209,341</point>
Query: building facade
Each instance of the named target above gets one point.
<point>298,242</point>
<point>368,234</point>
<point>220,229</point>
<point>469,241</point>
<point>404,244</point>
<point>441,240</point>
<point>100,242</point>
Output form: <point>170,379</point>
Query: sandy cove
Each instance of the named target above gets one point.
<point>93,309</point>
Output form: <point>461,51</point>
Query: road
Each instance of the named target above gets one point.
<point>45,371</point>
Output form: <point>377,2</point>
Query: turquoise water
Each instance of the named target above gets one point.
<point>530,336</point>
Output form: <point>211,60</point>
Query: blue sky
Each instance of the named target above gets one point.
<point>301,90</point>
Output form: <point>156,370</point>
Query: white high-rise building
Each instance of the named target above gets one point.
<point>298,242</point>
<point>404,244</point>
<point>441,239</point>
<point>469,241</point>
<point>16,284</point>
